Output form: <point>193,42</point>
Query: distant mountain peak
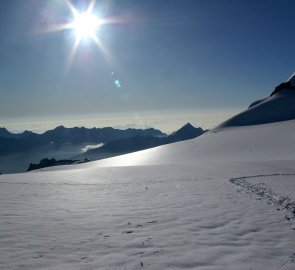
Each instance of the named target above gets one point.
<point>27,133</point>
<point>188,125</point>
<point>3,129</point>
<point>4,132</point>
<point>188,131</point>
<point>60,127</point>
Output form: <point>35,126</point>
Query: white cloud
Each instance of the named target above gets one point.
<point>90,146</point>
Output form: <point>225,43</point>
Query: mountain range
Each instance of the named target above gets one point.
<point>23,151</point>
<point>28,141</point>
<point>137,143</point>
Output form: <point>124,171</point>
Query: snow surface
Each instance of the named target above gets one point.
<point>220,201</point>
<point>279,107</point>
<point>161,217</point>
<point>257,143</point>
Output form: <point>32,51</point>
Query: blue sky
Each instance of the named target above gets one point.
<point>169,56</point>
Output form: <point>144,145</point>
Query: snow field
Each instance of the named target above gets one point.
<point>153,217</point>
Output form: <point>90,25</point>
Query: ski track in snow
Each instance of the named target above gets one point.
<point>263,191</point>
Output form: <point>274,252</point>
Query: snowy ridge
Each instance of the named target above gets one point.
<point>275,108</point>
<point>273,141</point>
<point>279,107</point>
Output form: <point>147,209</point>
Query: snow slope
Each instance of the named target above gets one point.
<point>257,143</point>
<point>221,201</point>
<point>279,107</point>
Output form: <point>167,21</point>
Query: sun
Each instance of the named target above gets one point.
<point>86,25</point>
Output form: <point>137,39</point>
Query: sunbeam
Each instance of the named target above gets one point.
<point>71,55</point>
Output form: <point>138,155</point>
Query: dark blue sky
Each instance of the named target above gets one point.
<point>168,55</point>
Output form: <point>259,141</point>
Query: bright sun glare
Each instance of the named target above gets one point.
<point>86,25</point>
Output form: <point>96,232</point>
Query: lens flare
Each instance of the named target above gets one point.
<point>117,83</point>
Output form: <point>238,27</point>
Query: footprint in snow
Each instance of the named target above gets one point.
<point>158,252</point>
<point>137,253</point>
<point>128,232</point>
<point>39,256</point>
<point>152,222</point>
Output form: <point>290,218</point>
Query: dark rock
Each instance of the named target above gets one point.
<point>46,162</point>
<point>282,86</point>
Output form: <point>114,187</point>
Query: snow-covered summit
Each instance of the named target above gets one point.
<point>279,106</point>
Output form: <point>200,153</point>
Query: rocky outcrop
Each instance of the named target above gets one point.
<point>289,85</point>
<point>46,162</point>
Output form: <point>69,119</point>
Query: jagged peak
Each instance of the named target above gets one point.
<point>188,125</point>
